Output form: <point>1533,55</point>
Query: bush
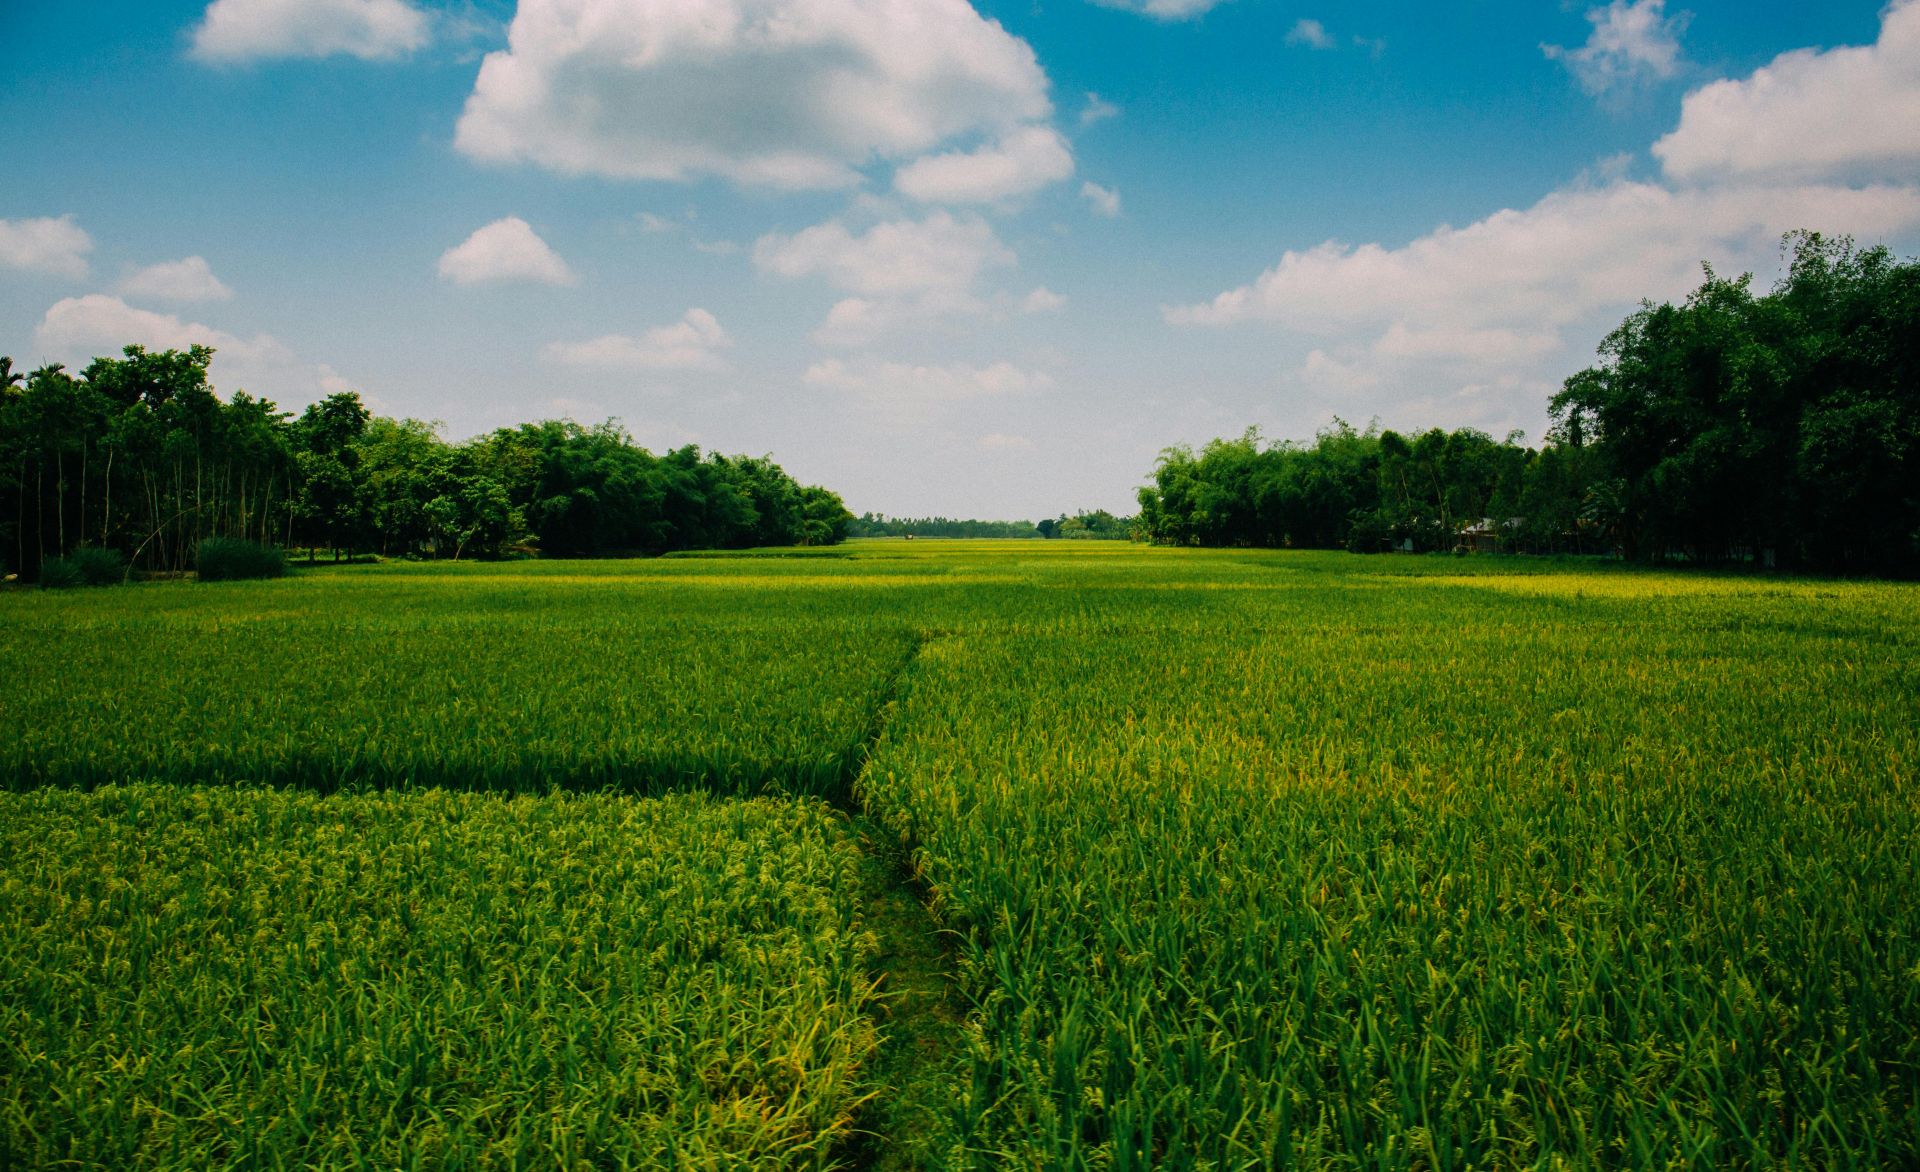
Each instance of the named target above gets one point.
<point>225,559</point>
<point>85,566</point>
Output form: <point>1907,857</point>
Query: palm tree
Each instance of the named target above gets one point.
<point>10,380</point>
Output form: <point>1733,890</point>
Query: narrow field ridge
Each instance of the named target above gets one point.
<point>919,1012</point>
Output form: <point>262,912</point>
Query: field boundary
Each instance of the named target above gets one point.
<point>918,1008</point>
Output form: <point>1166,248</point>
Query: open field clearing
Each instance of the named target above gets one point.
<point>220,977</point>
<point>1244,858</point>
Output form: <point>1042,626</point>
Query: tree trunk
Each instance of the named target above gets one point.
<point>106,507</point>
<point>60,498</point>
<point>20,519</point>
<point>81,516</point>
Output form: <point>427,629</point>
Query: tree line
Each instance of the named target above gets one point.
<point>139,455</point>
<point>881,525</point>
<point>1096,524</point>
<point>1772,429</point>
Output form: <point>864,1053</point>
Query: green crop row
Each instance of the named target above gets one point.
<point>1295,861</point>
<point>519,681</point>
<point>224,977</point>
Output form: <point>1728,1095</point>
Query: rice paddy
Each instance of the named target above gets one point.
<point>1234,860</point>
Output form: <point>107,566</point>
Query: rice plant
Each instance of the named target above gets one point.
<point>1247,859</point>
<point>223,977</point>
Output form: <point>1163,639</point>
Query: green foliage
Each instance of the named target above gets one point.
<point>140,455</point>
<point>1784,426</point>
<point>1772,430</point>
<point>85,566</point>
<point>881,525</point>
<point>1366,492</point>
<point>1097,525</point>
<point>224,559</point>
<point>244,978</point>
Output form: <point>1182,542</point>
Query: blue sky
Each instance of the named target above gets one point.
<point>901,245</point>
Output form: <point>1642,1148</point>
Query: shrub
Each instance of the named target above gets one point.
<point>86,566</point>
<point>224,559</point>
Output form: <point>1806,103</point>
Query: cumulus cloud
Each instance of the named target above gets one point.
<point>1312,34</point>
<point>903,273</point>
<point>1851,112</point>
<point>692,343</point>
<point>1568,255</point>
<point>78,329</point>
<point>1633,43</point>
<point>1163,9</point>
<point>1026,160</point>
<point>189,279</point>
<point>878,379</point>
<point>941,252</point>
<point>1104,200</point>
<point>1473,320</point>
<point>249,30</point>
<point>763,92</point>
<point>505,250</point>
<point>45,245</point>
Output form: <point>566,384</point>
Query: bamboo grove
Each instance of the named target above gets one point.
<point>140,456</point>
<point>1780,429</point>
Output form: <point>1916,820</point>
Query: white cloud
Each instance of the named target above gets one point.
<point>1163,9</point>
<point>248,30</point>
<point>1851,112</point>
<point>505,250</point>
<point>1042,300</point>
<point>46,245</point>
<point>1097,110</point>
<point>1312,34</point>
<point>82,328</point>
<point>905,274</point>
<point>1478,325</point>
<point>1757,157</point>
<point>940,252</point>
<point>1633,42</point>
<point>1565,257</point>
<point>899,382</point>
<point>1104,201</point>
<point>1001,442</point>
<point>692,343</point>
<point>189,279</point>
<point>1026,160</point>
<point>764,92</point>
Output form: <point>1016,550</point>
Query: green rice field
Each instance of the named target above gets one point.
<point>963,855</point>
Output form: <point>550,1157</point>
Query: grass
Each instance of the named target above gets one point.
<point>1232,859</point>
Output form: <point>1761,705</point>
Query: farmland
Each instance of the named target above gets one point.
<point>1237,859</point>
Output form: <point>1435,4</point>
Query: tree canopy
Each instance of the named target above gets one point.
<point>139,454</point>
<point>1776,429</point>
